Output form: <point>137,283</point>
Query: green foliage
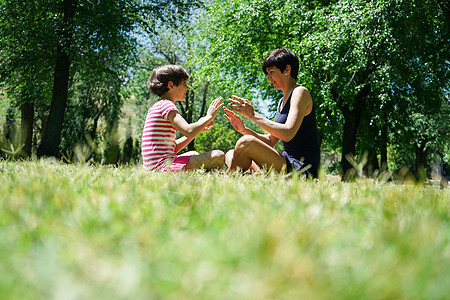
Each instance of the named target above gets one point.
<point>101,47</point>
<point>101,232</point>
<point>220,137</point>
<point>96,103</point>
<point>383,61</point>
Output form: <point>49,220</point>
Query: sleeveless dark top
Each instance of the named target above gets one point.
<point>304,146</point>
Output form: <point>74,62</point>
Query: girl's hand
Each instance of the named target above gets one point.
<point>214,107</point>
<point>234,120</point>
<point>242,106</point>
<point>207,127</point>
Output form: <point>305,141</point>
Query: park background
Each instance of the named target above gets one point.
<point>73,75</point>
<point>81,219</point>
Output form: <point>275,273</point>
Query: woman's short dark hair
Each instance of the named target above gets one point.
<point>280,58</point>
<point>160,77</point>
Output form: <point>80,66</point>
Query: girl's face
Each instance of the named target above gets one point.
<point>275,76</point>
<point>179,92</point>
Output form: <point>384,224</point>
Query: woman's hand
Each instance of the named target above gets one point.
<point>214,107</point>
<point>234,120</point>
<point>242,106</point>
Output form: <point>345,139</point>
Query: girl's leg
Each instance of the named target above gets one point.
<point>249,150</point>
<point>190,153</point>
<point>209,160</point>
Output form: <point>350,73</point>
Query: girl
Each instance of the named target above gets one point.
<point>159,143</point>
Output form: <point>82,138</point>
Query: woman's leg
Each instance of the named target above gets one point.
<point>229,157</point>
<point>209,160</point>
<point>249,150</point>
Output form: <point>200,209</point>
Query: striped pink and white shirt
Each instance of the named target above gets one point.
<point>158,138</point>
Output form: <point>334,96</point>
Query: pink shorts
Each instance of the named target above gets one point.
<point>179,163</point>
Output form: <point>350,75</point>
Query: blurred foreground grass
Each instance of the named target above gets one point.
<point>85,232</point>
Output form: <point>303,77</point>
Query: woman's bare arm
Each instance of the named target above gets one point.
<point>301,105</point>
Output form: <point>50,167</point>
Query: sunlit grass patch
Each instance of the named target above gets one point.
<point>80,231</point>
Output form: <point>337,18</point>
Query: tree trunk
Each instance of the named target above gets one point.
<point>52,135</point>
<point>421,158</point>
<point>9,128</point>
<point>112,152</point>
<point>26,127</point>
<point>190,105</point>
<point>190,112</point>
<point>348,140</point>
<point>205,94</point>
<point>372,162</point>
<point>352,118</point>
<point>94,127</point>
<point>183,107</point>
<point>383,148</point>
<point>371,133</point>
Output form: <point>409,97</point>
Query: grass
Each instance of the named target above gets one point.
<point>89,232</point>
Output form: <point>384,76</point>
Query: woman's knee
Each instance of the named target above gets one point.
<point>245,142</point>
<point>229,157</point>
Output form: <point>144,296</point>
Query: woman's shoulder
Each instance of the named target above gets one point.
<point>301,98</point>
<point>301,93</point>
<point>300,89</point>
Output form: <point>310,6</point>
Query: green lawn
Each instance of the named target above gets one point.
<point>89,232</point>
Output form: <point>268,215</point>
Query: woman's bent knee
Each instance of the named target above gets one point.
<point>245,142</point>
<point>229,157</point>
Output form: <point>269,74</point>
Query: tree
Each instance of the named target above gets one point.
<point>53,44</point>
<point>57,35</point>
<point>104,27</point>
<point>51,138</point>
<point>422,78</point>
<point>25,69</point>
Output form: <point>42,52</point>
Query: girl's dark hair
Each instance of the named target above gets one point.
<point>280,58</point>
<point>160,77</point>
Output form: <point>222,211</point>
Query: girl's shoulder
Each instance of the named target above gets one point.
<point>163,107</point>
<point>164,103</point>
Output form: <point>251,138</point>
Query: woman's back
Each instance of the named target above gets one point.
<point>304,145</point>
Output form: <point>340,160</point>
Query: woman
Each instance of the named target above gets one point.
<point>295,124</point>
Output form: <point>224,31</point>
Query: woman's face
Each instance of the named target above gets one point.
<point>275,76</point>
